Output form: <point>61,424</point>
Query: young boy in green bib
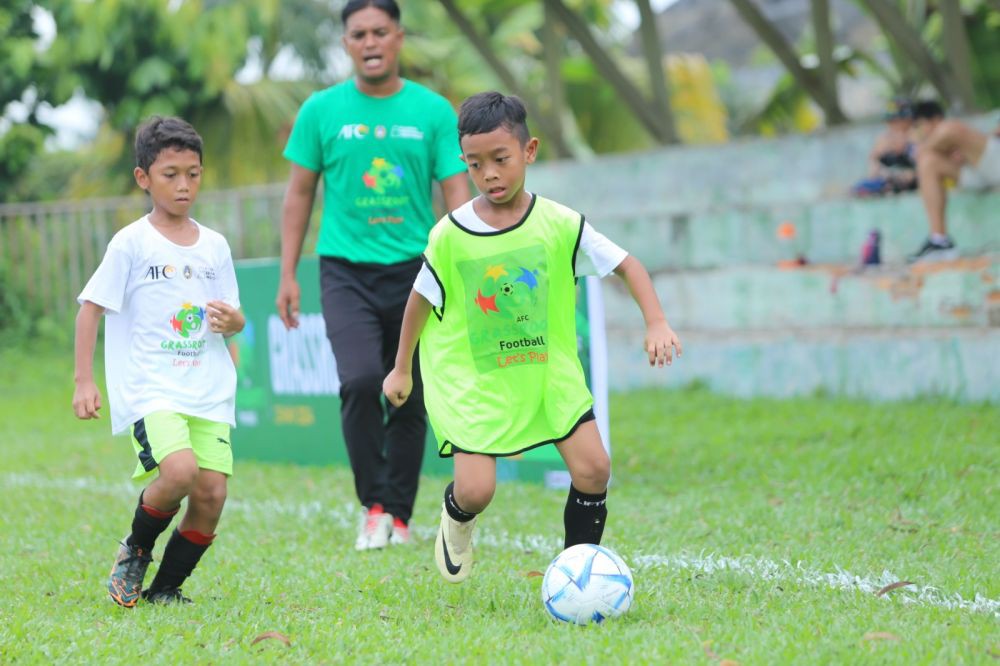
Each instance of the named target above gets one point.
<point>502,374</point>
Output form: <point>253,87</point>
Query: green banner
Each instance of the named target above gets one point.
<point>287,398</point>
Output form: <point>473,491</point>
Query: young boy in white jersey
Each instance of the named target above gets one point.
<point>502,374</point>
<point>168,288</point>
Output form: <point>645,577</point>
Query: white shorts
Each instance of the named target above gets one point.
<point>986,174</point>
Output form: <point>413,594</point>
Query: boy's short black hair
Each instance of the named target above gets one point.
<point>388,6</point>
<point>486,111</point>
<point>159,133</point>
<point>927,109</point>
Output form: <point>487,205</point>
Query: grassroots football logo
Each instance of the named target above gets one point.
<point>506,292</point>
<point>382,175</point>
<point>188,320</point>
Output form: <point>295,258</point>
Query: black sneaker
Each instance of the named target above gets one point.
<point>166,596</point>
<point>934,251</point>
<point>127,574</point>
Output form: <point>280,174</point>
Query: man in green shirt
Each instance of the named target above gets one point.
<point>378,141</point>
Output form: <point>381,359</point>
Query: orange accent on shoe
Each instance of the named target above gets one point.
<point>398,523</point>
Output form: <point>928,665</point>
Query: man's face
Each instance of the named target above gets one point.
<point>373,40</point>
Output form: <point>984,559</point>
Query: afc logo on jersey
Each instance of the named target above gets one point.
<point>353,131</point>
<point>164,271</point>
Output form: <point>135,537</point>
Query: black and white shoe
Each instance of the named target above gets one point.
<point>933,250</point>
<point>453,548</point>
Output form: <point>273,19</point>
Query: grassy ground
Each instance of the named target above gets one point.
<point>758,531</point>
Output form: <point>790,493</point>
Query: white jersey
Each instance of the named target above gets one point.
<point>159,354</point>
<point>604,254</point>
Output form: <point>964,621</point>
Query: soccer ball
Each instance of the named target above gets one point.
<point>587,583</point>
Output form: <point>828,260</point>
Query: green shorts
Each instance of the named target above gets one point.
<point>159,434</point>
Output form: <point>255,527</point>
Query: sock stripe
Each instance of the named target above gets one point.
<point>196,537</point>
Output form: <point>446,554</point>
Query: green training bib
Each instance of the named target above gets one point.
<point>499,358</point>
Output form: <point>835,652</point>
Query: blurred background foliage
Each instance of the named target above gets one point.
<point>594,82</point>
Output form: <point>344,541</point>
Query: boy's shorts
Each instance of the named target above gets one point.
<point>157,435</point>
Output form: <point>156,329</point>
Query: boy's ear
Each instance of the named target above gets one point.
<point>531,150</point>
<point>141,178</point>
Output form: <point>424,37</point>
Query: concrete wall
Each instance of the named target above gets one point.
<point>704,221</point>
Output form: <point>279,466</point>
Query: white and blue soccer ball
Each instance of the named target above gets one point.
<point>587,583</point>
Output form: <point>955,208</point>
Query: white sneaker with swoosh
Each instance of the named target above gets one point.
<point>453,548</point>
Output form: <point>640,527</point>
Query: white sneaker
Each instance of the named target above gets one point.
<point>376,526</point>
<point>453,548</point>
<point>400,533</point>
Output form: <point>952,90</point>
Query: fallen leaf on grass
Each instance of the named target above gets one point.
<point>384,578</point>
<point>271,634</point>
<point>533,574</point>
<point>880,636</point>
<point>729,662</point>
<point>893,586</point>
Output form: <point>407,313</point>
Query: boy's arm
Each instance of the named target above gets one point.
<point>660,338</point>
<point>399,382</point>
<point>86,395</point>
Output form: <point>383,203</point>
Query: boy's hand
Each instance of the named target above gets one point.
<point>87,400</point>
<point>661,342</point>
<point>397,386</point>
<point>224,318</point>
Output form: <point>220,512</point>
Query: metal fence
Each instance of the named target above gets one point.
<point>49,250</point>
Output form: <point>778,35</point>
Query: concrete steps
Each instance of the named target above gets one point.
<point>958,294</point>
<point>828,231</point>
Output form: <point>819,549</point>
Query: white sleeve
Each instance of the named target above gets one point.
<point>107,285</point>
<point>427,286</point>
<point>229,290</point>
<point>604,255</point>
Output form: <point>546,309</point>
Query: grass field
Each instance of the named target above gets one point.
<point>759,532</point>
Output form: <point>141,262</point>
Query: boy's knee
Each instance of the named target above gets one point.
<point>474,498</point>
<point>594,475</point>
<point>179,475</point>
<point>210,496</point>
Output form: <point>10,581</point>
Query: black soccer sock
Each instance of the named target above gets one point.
<point>180,557</point>
<point>584,517</point>
<point>451,506</point>
<point>147,524</point>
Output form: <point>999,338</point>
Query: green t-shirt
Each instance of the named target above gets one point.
<point>500,365</point>
<point>379,157</point>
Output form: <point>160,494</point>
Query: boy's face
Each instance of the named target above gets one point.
<point>497,162</point>
<point>373,40</point>
<point>172,181</point>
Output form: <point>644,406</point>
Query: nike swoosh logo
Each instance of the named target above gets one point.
<point>223,441</point>
<point>452,569</point>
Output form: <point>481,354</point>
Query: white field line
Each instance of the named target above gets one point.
<point>346,516</point>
